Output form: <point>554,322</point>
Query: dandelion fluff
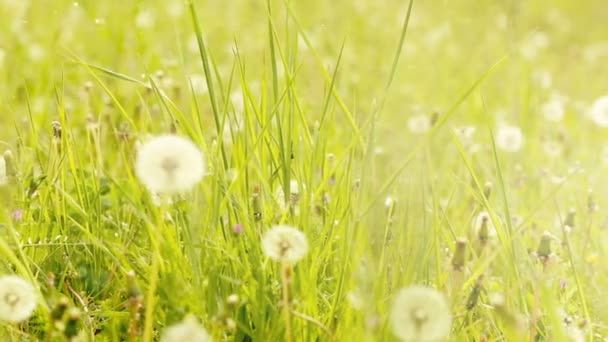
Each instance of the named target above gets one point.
<point>17,299</point>
<point>169,164</point>
<point>285,244</point>
<point>509,138</point>
<point>186,331</point>
<point>420,313</point>
<point>599,111</point>
<point>3,176</point>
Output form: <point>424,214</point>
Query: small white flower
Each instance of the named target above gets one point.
<point>285,244</point>
<point>17,299</point>
<point>420,313</point>
<point>509,138</point>
<point>169,164</point>
<point>419,124</point>
<point>187,331</point>
<point>599,111</point>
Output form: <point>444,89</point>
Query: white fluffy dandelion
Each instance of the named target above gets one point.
<point>17,299</point>
<point>509,138</point>
<point>169,164</point>
<point>285,244</point>
<point>186,331</point>
<point>420,313</point>
<point>3,176</point>
<point>599,111</point>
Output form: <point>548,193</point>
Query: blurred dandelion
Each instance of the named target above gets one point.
<point>599,111</point>
<point>17,299</point>
<point>420,313</point>
<point>553,110</point>
<point>145,19</point>
<point>509,138</point>
<point>285,244</point>
<point>169,164</point>
<point>189,330</point>
<point>483,227</point>
<point>419,124</point>
<point>553,148</point>
<point>3,173</point>
<point>294,195</point>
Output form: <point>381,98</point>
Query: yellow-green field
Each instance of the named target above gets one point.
<point>283,170</point>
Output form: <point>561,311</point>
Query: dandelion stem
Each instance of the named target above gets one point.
<point>152,285</point>
<point>285,279</point>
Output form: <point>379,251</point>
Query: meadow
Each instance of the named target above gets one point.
<point>312,170</point>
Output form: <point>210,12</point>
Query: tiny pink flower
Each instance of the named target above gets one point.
<point>17,215</point>
<point>238,228</point>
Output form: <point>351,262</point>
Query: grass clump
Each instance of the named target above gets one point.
<point>302,171</point>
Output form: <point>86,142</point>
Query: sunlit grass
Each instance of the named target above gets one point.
<point>453,146</point>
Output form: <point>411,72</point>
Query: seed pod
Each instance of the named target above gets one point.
<point>459,258</point>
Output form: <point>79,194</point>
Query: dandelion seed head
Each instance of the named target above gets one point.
<point>294,194</point>
<point>285,244</point>
<point>553,148</point>
<point>169,164</point>
<point>599,111</point>
<point>419,124</point>
<point>17,299</point>
<point>3,173</point>
<point>420,313</point>
<point>484,218</point>
<point>509,138</point>
<point>186,331</point>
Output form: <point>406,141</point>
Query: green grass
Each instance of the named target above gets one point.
<point>319,92</point>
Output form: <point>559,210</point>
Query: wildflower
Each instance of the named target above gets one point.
<point>599,111</point>
<point>17,215</point>
<point>17,299</point>
<point>187,331</point>
<point>509,138</point>
<point>285,244</point>
<point>169,164</point>
<point>238,228</point>
<point>419,124</point>
<point>420,313</point>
